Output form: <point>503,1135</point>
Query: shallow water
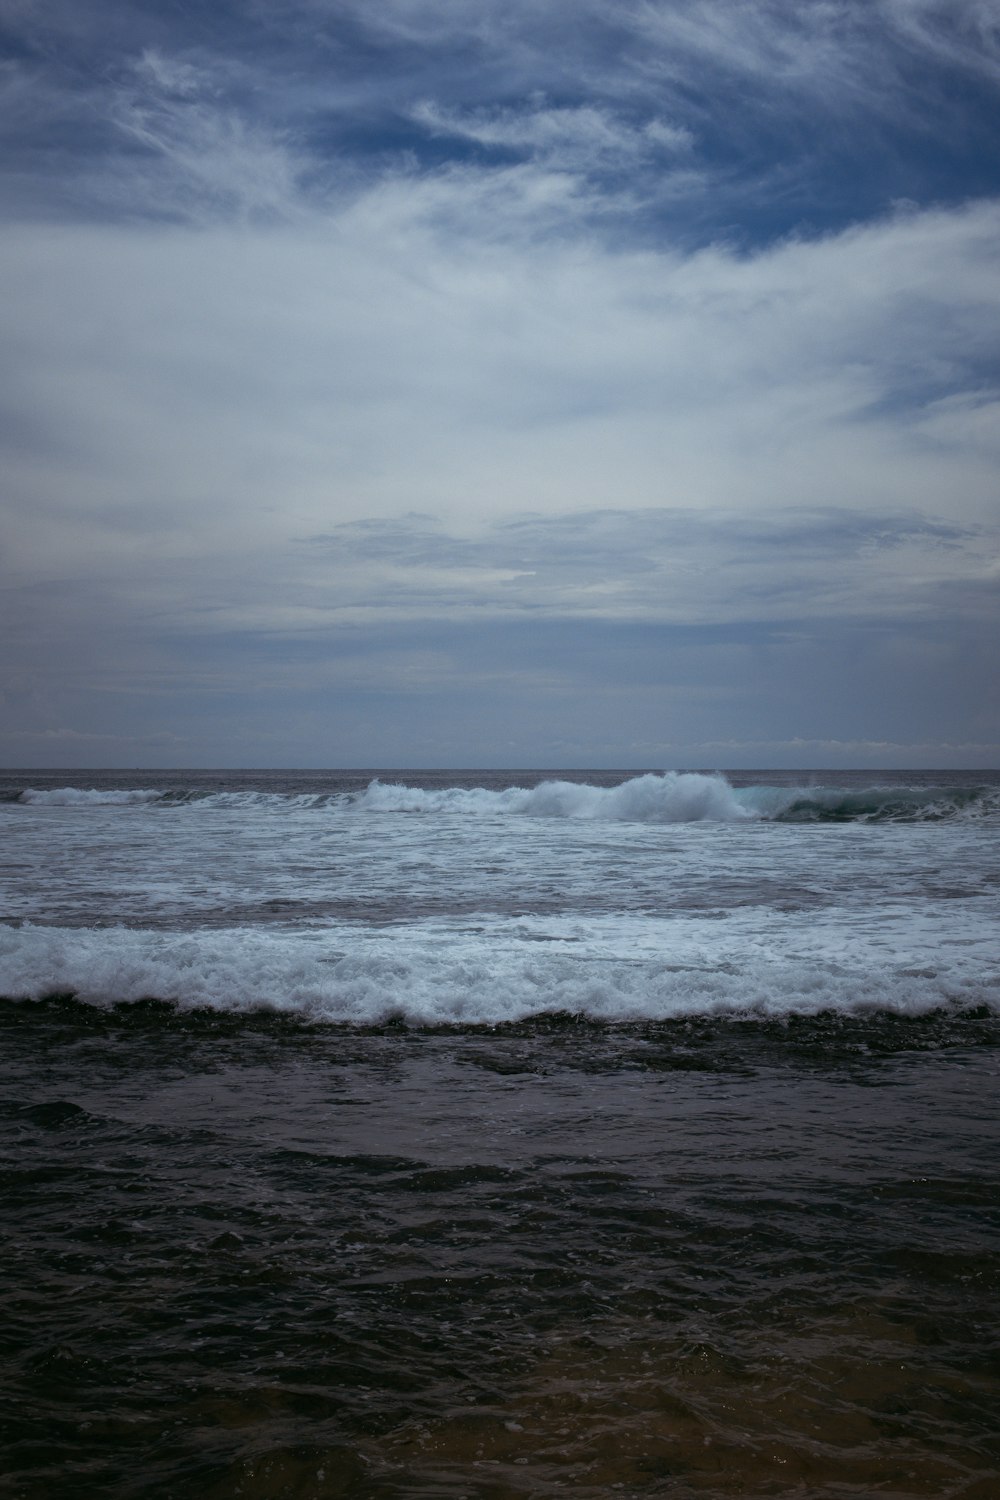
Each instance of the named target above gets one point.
<point>686,1215</point>
<point>692,1258</point>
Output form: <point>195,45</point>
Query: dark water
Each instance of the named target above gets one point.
<point>709,1258</point>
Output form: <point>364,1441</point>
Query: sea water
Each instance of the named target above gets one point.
<point>500,1134</point>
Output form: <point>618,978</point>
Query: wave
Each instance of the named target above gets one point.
<point>326,977</point>
<point>888,804</point>
<point>71,796</point>
<point>670,797</point>
<point>68,796</point>
<point>692,797</point>
<point>675,797</point>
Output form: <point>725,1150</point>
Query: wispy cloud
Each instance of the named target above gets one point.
<point>198,154</point>
<point>410,353</point>
<point>654,565</point>
<point>742,120</point>
<point>581,138</point>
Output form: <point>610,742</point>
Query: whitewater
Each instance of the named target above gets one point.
<point>401,1135</point>
<point>485,899</point>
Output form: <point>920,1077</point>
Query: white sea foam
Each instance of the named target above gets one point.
<point>71,796</point>
<point>339,977</point>
<point>676,797</point>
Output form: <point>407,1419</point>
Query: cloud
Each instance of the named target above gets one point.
<point>582,138</point>
<point>820,48</point>
<point>739,73</point>
<point>199,154</point>
<point>692,120</point>
<point>342,338</point>
<point>221,391</point>
<point>654,565</point>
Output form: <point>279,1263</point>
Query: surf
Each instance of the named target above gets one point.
<point>652,797</point>
<point>488,979</point>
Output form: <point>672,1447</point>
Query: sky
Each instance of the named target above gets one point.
<point>556,383</point>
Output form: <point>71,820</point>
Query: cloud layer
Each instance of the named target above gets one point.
<point>370,368</point>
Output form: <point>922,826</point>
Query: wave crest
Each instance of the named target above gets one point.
<point>667,797</point>
<point>675,797</point>
<point>71,796</point>
<point>332,978</point>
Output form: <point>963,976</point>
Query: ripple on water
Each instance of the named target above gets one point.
<point>255,1259</point>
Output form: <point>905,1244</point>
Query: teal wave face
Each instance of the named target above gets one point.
<point>888,804</point>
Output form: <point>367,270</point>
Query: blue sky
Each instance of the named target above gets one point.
<point>450,382</point>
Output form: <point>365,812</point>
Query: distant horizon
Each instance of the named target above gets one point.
<point>374,770</point>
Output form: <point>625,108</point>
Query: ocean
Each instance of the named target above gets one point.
<point>500,1134</point>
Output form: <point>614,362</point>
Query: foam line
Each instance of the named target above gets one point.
<point>332,977</point>
<point>71,796</point>
<point>671,797</point>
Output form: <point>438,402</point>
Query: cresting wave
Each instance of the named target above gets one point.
<point>240,971</point>
<point>71,796</point>
<point>673,797</point>
<point>691,797</point>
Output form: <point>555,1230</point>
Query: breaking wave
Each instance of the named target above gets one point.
<point>71,796</point>
<point>312,976</point>
<point>671,797</point>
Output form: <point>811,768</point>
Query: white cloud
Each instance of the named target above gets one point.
<point>265,343</point>
<point>626,92</point>
<point>211,158</point>
<point>584,138</point>
<point>965,33</point>
<point>840,54</point>
<point>223,389</point>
